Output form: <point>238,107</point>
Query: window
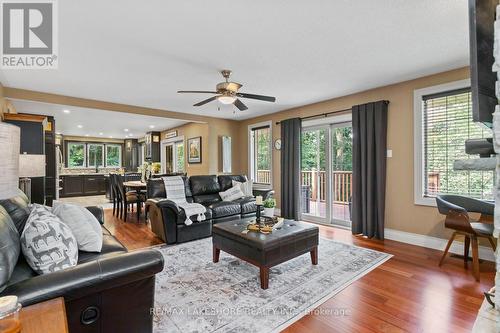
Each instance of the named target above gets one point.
<point>260,150</point>
<point>113,155</point>
<point>443,122</point>
<point>95,155</point>
<point>76,155</point>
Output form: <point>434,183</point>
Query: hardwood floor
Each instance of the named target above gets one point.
<point>408,293</point>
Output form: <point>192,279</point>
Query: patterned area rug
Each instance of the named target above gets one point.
<point>195,295</point>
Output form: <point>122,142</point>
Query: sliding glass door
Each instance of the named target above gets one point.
<point>326,173</point>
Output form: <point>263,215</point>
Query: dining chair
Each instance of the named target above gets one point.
<point>126,200</point>
<point>457,209</point>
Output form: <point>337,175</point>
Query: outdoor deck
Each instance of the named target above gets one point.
<point>340,211</point>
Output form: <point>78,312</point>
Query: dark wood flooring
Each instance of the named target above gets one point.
<point>408,293</point>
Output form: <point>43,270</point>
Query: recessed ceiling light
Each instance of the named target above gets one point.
<point>131,135</point>
<point>151,126</point>
<point>66,111</point>
<point>58,133</point>
<point>111,137</point>
<point>126,129</point>
<point>79,126</point>
<point>86,135</point>
<point>100,133</point>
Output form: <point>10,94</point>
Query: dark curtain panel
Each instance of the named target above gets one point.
<point>290,168</point>
<point>369,124</point>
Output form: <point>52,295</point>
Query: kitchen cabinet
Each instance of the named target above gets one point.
<point>82,185</point>
<point>131,155</point>
<point>152,147</point>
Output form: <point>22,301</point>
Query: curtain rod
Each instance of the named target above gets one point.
<point>326,114</point>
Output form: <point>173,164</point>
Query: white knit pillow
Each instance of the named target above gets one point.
<point>246,187</point>
<point>232,194</point>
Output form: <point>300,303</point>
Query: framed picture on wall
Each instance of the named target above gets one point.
<point>194,150</point>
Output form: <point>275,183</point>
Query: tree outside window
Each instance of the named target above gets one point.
<point>76,155</point>
<point>113,156</point>
<point>95,155</point>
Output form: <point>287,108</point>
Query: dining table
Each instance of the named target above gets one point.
<point>137,186</point>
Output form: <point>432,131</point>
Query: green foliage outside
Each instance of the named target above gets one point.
<point>112,156</point>
<point>95,156</point>
<point>76,153</point>
<point>314,151</point>
<point>262,137</point>
<point>180,157</point>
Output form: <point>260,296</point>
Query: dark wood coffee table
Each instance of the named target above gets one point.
<point>265,251</point>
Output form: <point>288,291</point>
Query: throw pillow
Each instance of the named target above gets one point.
<point>232,194</point>
<point>83,225</point>
<point>48,244</point>
<point>18,210</point>
<point>246,187</point>
<point>9,247</point>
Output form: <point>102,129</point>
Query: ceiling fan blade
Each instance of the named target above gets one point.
<point>196,92</point>
<point>208,100</point>
<point>239,104</point>
<point>259,97</point>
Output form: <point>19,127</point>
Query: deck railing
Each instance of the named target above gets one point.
<point>316,181</point>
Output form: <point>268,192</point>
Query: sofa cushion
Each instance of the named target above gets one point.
<point>226,181</point>
<point>156,188</point>
<point>47,243</point>
<point>109,245</point>
<point>224,208</point>
<point>9,248</point>
<point>17,208</point>
<point>201,185</point>
<point>83,225</point>
<point>207,199</point>
<point>247,205</point>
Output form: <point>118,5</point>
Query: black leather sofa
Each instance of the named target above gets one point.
<point>110,291</point>
<point>167,219</point>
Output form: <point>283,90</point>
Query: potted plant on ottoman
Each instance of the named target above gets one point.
<point>269,205</point>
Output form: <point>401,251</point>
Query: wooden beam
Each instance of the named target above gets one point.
<point>30,95</point>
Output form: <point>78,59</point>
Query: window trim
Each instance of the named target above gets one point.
<point>269,124</point>
<point>418,147</point>
<point>120,150</point>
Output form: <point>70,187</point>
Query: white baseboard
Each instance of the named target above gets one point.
<point>485,253</point>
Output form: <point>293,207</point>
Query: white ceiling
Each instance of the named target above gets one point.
<point>93,122</point>
<point>141,53</point>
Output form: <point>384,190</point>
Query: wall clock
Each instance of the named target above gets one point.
<point>277,144</point>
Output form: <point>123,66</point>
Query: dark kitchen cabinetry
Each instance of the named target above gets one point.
<point>131,155</point>
<point>82,185</point>
<point>50,160</point>
<point>152,147</point>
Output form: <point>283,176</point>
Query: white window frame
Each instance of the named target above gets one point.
<point>84,154</point>
<point>163,156</point>
<point>120,148</point>
<point>251,154</point>
<point>418,135</point>
<point>88,144</point>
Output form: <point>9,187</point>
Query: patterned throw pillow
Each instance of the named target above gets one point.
<point>48,244</point>
<point>232,194</point>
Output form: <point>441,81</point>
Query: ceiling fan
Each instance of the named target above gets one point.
<point>227,93</point>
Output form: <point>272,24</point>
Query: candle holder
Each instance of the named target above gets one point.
<point>257,214</point>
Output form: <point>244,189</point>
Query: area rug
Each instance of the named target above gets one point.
<point>195,295</point>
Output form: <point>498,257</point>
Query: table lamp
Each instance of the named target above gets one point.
<point>30,165</point>
<point>9,163</point>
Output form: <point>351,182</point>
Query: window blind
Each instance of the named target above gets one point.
<point>447,124</point>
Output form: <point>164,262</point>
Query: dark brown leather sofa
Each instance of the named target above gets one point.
<point>167,219</point>
<point>110,291</point>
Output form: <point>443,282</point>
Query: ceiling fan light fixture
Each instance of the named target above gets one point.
<point>226,99</point>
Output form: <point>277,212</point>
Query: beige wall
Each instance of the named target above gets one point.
<point>401,212</point>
